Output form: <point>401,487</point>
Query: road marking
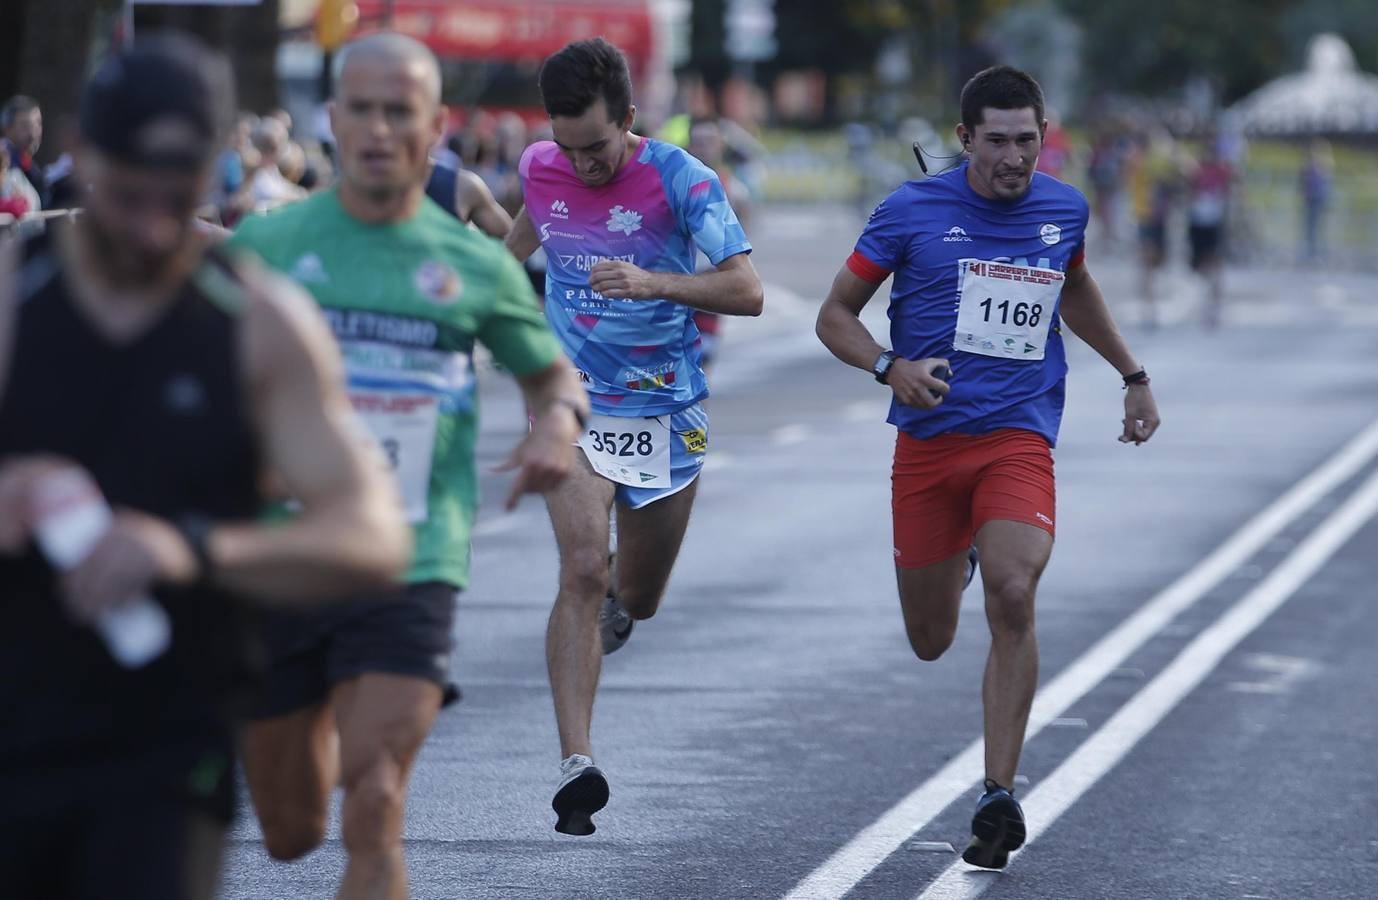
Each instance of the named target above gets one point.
<point>865,411</point>
<point>789,435</point>
<point>716,462</point>
<point>500,525</point>
<point>1103,750</point>
<point>1277,674</point>
<point>849,865</point>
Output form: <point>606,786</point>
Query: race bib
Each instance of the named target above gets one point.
<point>629,450</point>
<point>1004,309</point>
<point>404,424</point>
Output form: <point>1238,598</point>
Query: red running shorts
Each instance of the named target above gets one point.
<point>945,488</point>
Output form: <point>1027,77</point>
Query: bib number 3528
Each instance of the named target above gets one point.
<point>627,450</point>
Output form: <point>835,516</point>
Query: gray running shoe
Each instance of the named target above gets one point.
<point>614,624</point>
<point>582,792</point>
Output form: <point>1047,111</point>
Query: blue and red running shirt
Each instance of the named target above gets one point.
<point>928,233</point>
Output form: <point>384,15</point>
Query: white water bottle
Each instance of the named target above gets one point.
<point>72,516</point>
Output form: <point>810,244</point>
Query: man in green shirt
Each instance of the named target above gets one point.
<point>407,291</point>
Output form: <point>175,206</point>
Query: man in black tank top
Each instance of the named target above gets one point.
<point>141,371</point>
<point>464,195</point>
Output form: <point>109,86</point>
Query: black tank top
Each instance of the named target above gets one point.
<point>161,424</point>
<point>441,187</point>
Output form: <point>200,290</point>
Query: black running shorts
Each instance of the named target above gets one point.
<point>406,632</point>
<point>140,827</point>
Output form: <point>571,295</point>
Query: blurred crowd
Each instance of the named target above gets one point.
<point>1151,193</point>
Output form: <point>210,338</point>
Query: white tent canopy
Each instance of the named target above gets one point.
<point>1331,97</point>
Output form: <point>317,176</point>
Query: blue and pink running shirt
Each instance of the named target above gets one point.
<point>635,357</point>
<point>978,282</point>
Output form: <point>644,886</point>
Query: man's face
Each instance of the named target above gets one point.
<point>25,130</point>
<point>592,142</point>
<point>1004,151</point>
<point>385,118</point>
<point>141,218</point>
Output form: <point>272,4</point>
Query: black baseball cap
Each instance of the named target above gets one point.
<point>165,102</point>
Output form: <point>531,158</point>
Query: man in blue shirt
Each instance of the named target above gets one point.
<point>988,261</point>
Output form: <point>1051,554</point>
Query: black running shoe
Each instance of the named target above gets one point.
<point>583,791</point>
<point>997,829</point>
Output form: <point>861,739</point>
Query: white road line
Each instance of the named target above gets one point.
<point>789,435</point>
<point>1103,750</point>
<point>848,866</point>
<point>500,524</point>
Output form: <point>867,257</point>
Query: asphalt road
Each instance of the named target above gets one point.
<point>1208,725</point>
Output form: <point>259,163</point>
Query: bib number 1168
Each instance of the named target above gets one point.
<point>1016,314</point>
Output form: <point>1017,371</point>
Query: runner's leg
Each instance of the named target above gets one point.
<point>382,720</point>
<point>579,511</point>
<point>930,599</point>
<point>1013,556</point>
<point>292,763</point>
<point>648,541</point>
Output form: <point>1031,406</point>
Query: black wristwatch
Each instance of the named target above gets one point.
<point>195,530</point>
<point>881,368</point>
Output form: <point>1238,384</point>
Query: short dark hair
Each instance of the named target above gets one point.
<point>16,106</point>
<point>573,79</point>
<point>1000,87</point>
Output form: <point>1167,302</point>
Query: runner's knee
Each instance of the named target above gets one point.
<point>930,640</point>
<point>290,832</point>
<point>374,798</point>
<point>584,572</point>
<point>640,604</point>
<point>1010,606</point>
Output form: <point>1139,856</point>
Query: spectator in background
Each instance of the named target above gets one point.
<point>1057,149</point>
<point>1208,203</point>
<point>14,199</point>
<point>269,187</point>
<point>1315,181</point>
<point>22,124</point>
<point>1155,181</point>
<point>707,143</point>
<point>64,191</point>
<point>1106,171</point>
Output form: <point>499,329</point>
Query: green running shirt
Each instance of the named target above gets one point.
<point>406,301</point>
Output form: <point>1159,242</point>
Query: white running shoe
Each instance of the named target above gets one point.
<point>582,792</point>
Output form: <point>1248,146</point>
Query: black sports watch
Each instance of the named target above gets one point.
<point>881,368</point>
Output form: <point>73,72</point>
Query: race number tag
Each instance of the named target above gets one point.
<point>1005,310</point>
<point>404,424</point>
<point>629,451</point>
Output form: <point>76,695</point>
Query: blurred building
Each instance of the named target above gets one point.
<point>1331,97</point>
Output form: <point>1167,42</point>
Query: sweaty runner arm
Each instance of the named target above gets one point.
<point>840,329</point>
<point>545,456</point>
<point>1083,310</point>
<point>350,531</point>
<point>522,240</point>
<point>478,205</point>
<point>732,288</point>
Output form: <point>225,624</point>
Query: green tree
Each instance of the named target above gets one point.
<point>1156,49</point>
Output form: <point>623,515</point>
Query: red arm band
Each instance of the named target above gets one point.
<point>866,270</point>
